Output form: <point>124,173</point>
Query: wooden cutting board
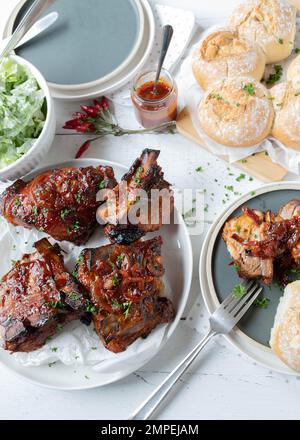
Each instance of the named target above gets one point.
<point>259,165</point>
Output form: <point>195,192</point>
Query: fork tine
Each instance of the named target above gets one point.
<point>248,304</point>
<point>235,308</point>
<point>231,298</point>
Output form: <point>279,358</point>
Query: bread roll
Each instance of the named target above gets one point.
<point>224,54</point>
<point>286,126</point>
<point>293,73</point>
<point>285,334</point>
<point>270,23</point>
<point>236,112</point>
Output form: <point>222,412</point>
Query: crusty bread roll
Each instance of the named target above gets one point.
<point>285,334</point>
<point>270,23</point>
<point>293,73</point>
<point>236,112</point>
<point>286,126</point>
<point>223,54</point>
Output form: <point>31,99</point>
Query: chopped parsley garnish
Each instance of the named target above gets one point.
<point>90,308</point>
<point>102,184</point>
<point>138,174</point>
<point>53,349</point>
<point>280,40</point>
<point>240,177</point>
<point>17,202</point>
<point>236,266</point>
<point>249,88</point>
<point>297,50</point>
<point>75,273</point>
<point>238,228</point>
<point>216,96</point>
<point>261,303</point>
<point>126,307</point>
<point>296,273</point>
<point>199,169</point>
<point>51,364</point>
<point>239,291</point>
<point>274,77</point>
<point>206,208</point>
<point>64,213</point>
<point>78,196</point>
<point>252,193</point>
<point>13,262</point>
<point>297,93</point>
<point>76,225</point>
<point>45,210</point>
<point>56,304</point>
<point>115,279</point>
<point>34,210</point>
<point>74,296</point>
<point>120,259</point>
<point>115,304</point>
<point>229,187</point>
<point>80,259</point>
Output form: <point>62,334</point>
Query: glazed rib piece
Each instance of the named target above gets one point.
<point>60,202</point>
<point>264,244</point>
<point>124,283</point>
<point>239,230</point>
<point>144,175</point>
<point>37,296</point>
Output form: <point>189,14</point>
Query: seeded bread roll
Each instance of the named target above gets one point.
<point>224,54</point>
<point>270,23</point>
<point>293,73</point>
<point>285,334</point>
<point>236,112</point>
<point>286,126</point>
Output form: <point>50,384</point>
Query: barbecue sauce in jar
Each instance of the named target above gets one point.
<point>155,107</point>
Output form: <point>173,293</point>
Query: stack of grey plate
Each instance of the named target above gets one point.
<point>94,47</point>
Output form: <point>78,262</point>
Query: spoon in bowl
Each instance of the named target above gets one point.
<point>167,37</point>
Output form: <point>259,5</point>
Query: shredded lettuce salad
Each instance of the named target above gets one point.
<point>22,111</point>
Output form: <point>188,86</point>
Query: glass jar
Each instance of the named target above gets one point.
<point>153,108</point>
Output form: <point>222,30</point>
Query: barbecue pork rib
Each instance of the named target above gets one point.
<point>124,283</point>
<point>37,296</point>
<point>264,244</point>
<point>144,175</point>
<point>60,202</point>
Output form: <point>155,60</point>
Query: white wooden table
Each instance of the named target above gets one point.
<point>223,384</point>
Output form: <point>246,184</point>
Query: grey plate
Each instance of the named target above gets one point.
<point>90,40</point>
<point>257,323</point>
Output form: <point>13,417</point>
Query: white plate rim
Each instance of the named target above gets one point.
<point>141,59</point>
<point>108,77</point>
<point>256,351</point>
<point>169,329</point>
<point>119,81</point>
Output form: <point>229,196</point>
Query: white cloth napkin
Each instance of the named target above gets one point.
<point>192,95</point>
<point>183,23</point>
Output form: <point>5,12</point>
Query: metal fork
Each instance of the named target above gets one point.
<point>226,316</point>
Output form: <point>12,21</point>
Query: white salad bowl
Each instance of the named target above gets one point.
<point>42,144</point>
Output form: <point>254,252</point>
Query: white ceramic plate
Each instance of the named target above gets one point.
<point>177,252</point>
<point>257,351</point>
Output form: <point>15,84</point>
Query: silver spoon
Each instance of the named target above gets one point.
<point>167,37</point>
<point>38,27</point>
<point>33,13</point>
